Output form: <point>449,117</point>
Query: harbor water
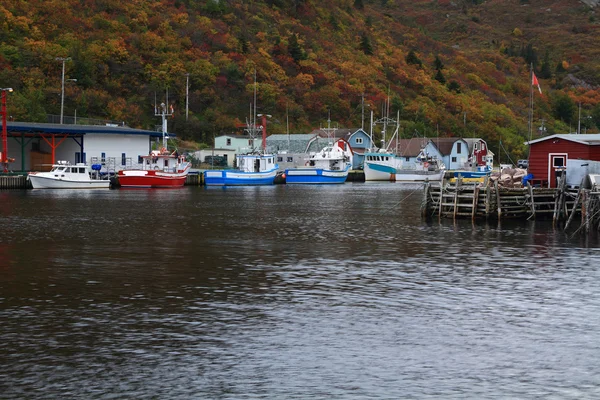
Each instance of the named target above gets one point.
<point>288,292</point>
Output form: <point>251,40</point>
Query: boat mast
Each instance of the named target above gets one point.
<point>163,112</point>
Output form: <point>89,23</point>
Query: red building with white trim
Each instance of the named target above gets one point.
<point>548,156</point>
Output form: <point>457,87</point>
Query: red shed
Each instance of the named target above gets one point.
<point>549,155</point>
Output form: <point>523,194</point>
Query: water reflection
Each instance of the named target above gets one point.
<point>288,292</point>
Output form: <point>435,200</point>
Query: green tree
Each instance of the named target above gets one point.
<point>294,49</point>
<point>358,4</point>
<point>563,108</point>
<point>438,64</point>
<point>545,70</point>
<point>439,76</point>
<point>365,44</point>
<point>530,55</point>
<point>454,86</point>
<point>595,114</point>
<point>411,58</point>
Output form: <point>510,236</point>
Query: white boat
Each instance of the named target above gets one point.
<point>66,176</point>
<point>251,169</point>
<point>426,168</point>
<point>330,165</point>
<point>381,166</point>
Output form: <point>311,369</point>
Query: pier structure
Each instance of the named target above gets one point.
<point>487,200</point>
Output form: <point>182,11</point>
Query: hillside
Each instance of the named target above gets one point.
<point>452,68</point>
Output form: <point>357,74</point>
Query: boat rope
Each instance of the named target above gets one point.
<point>406,197</point>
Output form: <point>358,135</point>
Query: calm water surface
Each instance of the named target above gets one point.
<point>288,292</point>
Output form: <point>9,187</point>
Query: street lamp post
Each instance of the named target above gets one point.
<point>4,157</point>
<point>62,91</point>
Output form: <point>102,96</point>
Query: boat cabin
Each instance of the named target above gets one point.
<point>255,162</point>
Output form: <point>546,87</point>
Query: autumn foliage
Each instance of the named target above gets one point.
<point>451,68</point>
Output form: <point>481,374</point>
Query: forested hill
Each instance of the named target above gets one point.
<point>451,68</point>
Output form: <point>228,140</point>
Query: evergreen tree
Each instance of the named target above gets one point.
<point>438,64</point>
<point>411,58</point>
<point>439,76</point>
<point>454,86</point>
<point>563,108</point>
<point>530,55</point>
<point>243,45</point>
<point>358,4</point>
<point>595,114</point>
<point>365,44</point>
<point>545,70</point>
<point>294,48</point>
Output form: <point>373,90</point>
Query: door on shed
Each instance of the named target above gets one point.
<point>557,164</point>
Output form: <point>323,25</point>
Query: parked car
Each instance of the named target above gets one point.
<point>523,164</point>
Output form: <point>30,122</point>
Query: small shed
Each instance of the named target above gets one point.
<point>549,156</point>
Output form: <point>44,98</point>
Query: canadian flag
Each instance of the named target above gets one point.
<point>534,82</point>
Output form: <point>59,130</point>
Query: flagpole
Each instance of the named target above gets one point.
<point>530,108</point>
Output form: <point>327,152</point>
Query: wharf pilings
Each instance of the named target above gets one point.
<point>488,200</point>
<point>14,181</point>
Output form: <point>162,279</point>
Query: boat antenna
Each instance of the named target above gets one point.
<point>164,112</point>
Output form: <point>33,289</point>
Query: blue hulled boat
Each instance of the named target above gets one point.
<point>252,169</point>
<point>330,165</point>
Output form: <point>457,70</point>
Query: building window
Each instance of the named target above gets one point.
<point>458,148</point>
<point>103,158</point>
<point>228,142</point>
<point>290,159</point>
<point>279,159</point>
<point>453,159</point>
<point>558,162</point>
<point>140,160</point>
<point>407,159</point>
<point>83,157</point>
<point>250,143</point>
<point>77,157</point>
<point>123,158</point>
<point>359,140</point>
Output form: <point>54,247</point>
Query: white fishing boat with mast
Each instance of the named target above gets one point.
<point>330,165</point>
<point>382,164</point>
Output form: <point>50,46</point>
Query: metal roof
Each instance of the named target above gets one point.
<point>585,138</point>
<point>34,127</point>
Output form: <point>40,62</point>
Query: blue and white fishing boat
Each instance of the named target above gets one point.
<point>381,166</point>
<point>480,172</point>
<point>251,169</point>
<point>330,165</point>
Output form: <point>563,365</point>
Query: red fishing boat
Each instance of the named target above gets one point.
<point>158,169</point>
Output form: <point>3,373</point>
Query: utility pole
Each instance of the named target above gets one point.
<point>187,95</point>
<point>62,90</point>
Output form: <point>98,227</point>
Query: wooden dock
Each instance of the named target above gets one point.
<point>490,201</point>
<point>14,181</point>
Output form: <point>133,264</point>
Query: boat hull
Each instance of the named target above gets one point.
<point>471,174</point>
<point>42,182</point>
<point>151,179</point>
<point>379,172</point>
<point>238,178</point>
<point>315,176</point>
<point>419,176</point>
